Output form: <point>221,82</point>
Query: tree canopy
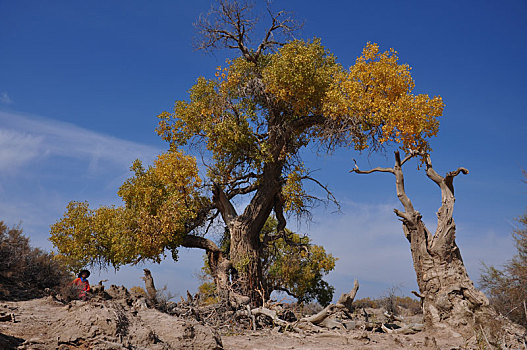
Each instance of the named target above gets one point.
<point>159,203</point>
<point>248,124</point>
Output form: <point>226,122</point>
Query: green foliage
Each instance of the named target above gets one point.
<point>207,292</point>
<point>139,291</point>
<point>297,265</point>
<point>25,271</point>
<point>507,287</point>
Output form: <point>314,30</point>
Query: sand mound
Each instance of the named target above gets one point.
<point>100,324</point>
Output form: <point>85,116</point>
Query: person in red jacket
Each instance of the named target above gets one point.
<point>82,284</point>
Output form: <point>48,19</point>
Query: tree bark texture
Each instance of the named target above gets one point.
<point>450,301</point>
<point>149,285</point>
<point>245,228</point>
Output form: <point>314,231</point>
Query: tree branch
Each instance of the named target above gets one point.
<point>191,241</point>
<point>281,231</point>
<point>224,205</point>
<point>410,214</point>
<point>242,190</point>
<point>287,291</point>
<point>430,172</point>
<point>329,195</point>
<point>230,23</point>
<point>374,170</point>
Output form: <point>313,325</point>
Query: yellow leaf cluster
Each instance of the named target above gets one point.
<point>371,103</point>
<point>375,95</point>
<point>293,192</point>
<point>159,202</point>
<point>299,76</point>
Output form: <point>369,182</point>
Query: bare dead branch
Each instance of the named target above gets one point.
<point>346,299</point>
<point>430,172</point>
<point>409,156</point>
<point>403,215</point>
<point>457,172</point>
<point>329,195</point>
<point>409,215</point>
<point>374,170</point>
<point>230,22</point>
<point>226,25</point>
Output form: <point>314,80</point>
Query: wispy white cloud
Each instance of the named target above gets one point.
<point>44,164</point>
<point>24,139</point>
<point>17,148</point>
<point>5,99</point>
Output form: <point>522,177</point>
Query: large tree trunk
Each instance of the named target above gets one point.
<point>451,303</point>
<point>244,230</point>
<point>450,300</point>
<point>245,256</point>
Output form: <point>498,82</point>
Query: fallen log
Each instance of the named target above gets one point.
<point>344,303</point>
<point>321,319</point>
<point>406,329</point>
<point>271,314</point>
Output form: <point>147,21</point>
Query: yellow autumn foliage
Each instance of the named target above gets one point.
<point>158,203</point>
<point>233,114</point>
<point>250,117</point>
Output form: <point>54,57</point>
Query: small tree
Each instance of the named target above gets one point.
<point>507,287</point>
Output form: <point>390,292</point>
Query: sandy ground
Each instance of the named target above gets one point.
<point>43,324</point>
<point>324,341</point>
<point>46,324</point>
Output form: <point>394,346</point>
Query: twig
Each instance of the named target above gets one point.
<point>485,336</point>
<point>251,316</point>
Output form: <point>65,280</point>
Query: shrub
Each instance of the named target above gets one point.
<point>138,291</point>
<point>25,272</point>
<point>507,288</point>
<point>365,303</point>
<point>207,293</point>
<point>391,303</point>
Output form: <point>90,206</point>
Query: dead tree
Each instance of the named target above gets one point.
<point>450,301</point>
<point>150,287</point>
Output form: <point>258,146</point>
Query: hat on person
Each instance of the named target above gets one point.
<point>82,272</point>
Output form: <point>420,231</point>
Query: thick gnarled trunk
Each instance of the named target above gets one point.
<point>451,303</point>
<point>245,256</point>
<point>450,300</point>
<point>244,230</point>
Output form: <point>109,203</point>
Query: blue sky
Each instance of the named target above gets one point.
<point>82,82</point>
